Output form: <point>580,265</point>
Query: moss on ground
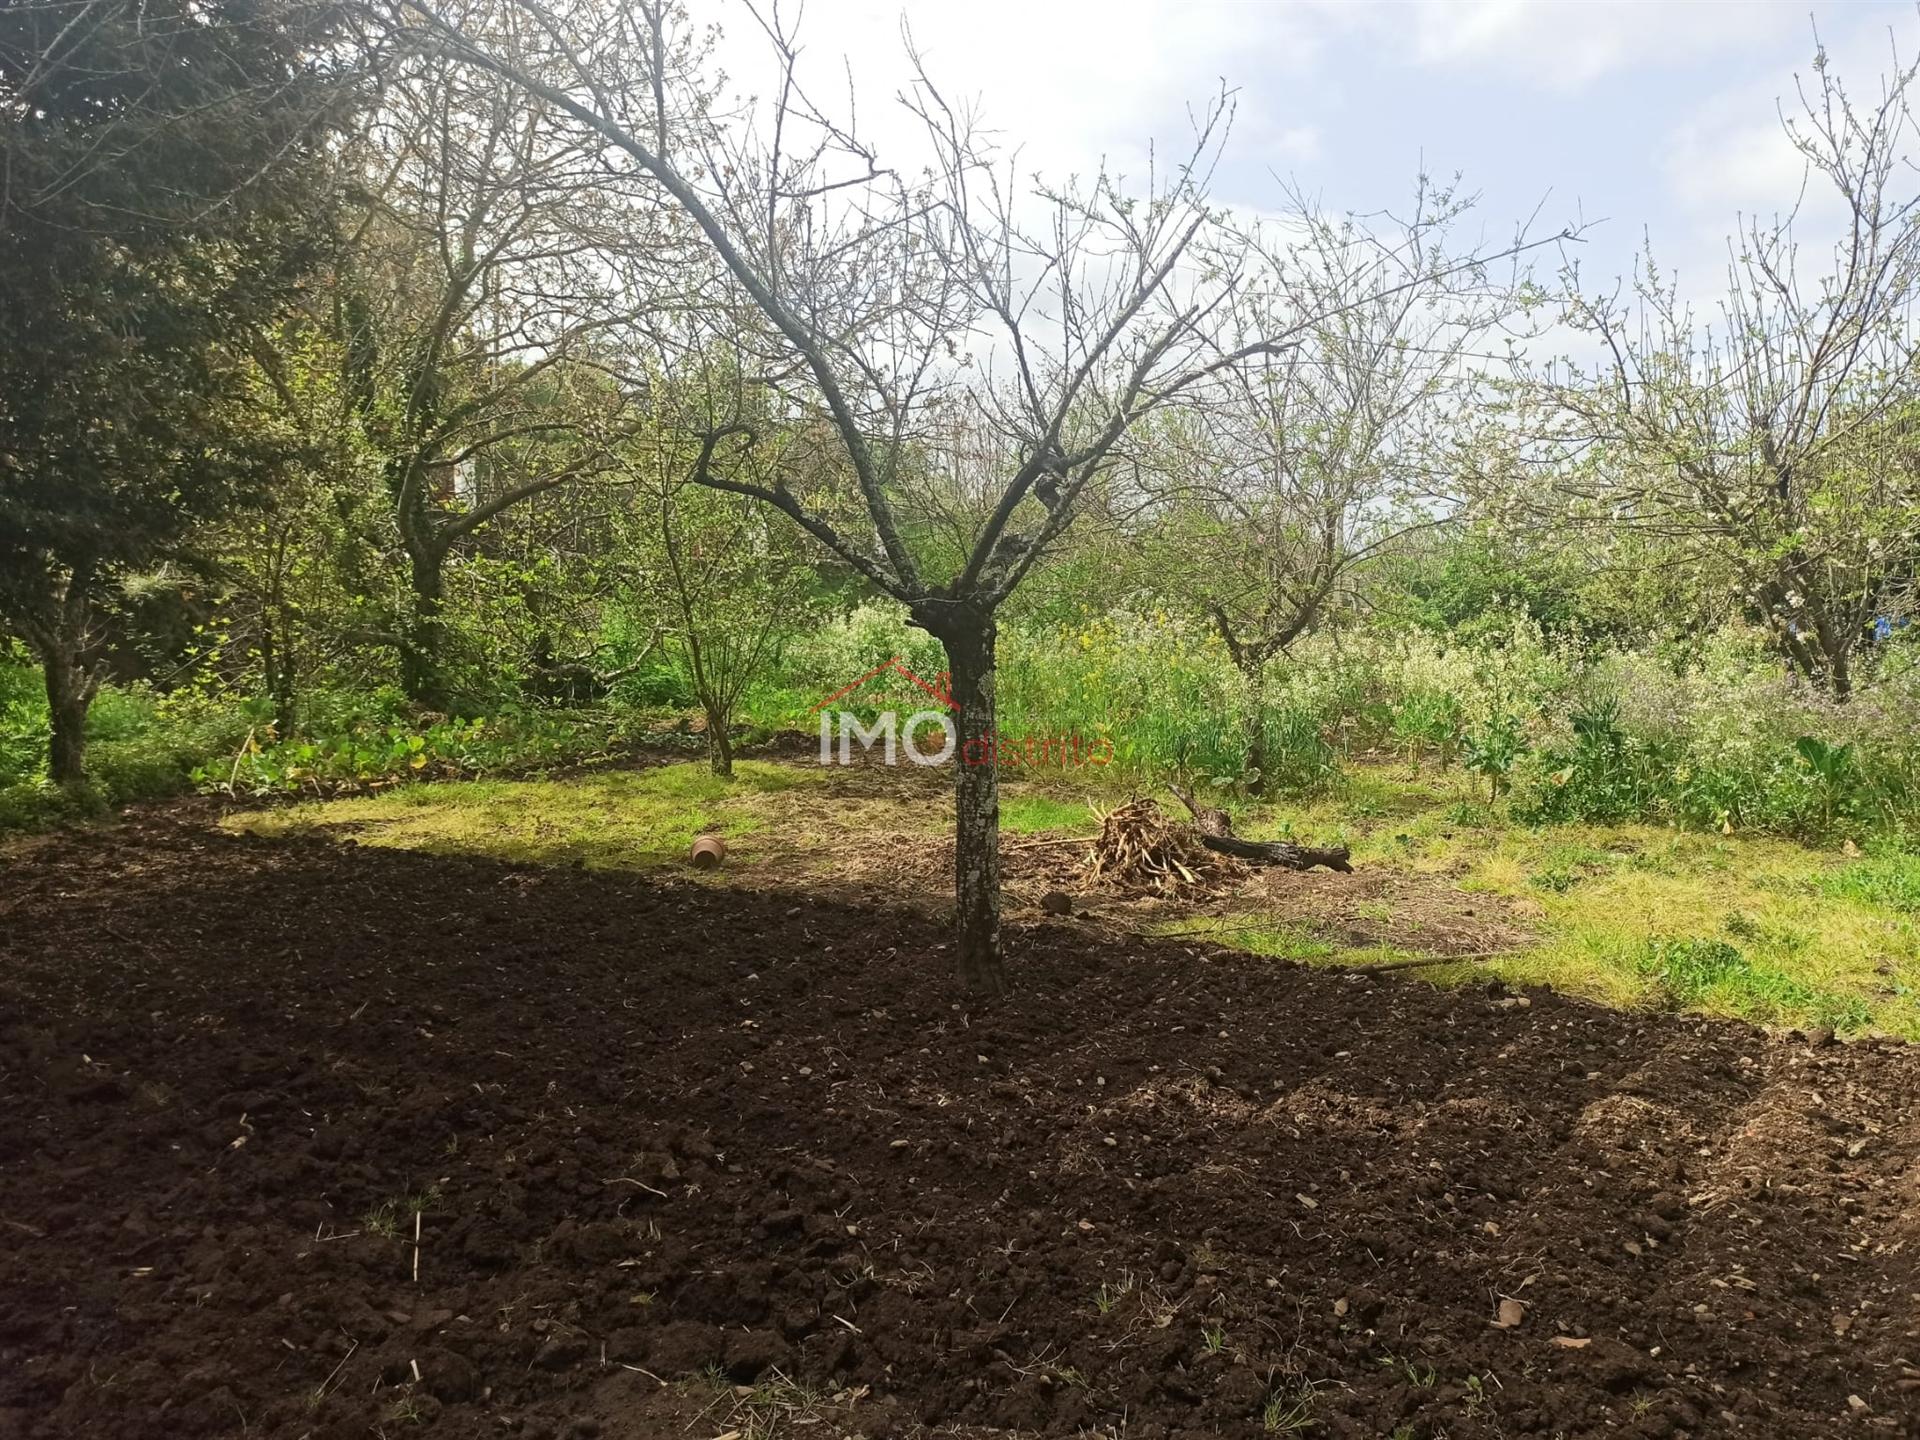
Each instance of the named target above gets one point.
<point>625,819</point>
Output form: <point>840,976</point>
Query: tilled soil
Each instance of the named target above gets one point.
<point>687,1160</point>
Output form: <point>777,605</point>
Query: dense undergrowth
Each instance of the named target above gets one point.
<point>1715,737</point>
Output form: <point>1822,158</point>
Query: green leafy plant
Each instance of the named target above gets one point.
<point>1493,749</point>
<point>1428,720</point>
<point>1836,778</point>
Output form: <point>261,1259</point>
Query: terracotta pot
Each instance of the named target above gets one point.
<point>708,852</point>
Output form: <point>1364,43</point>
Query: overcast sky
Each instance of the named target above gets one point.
<point>1660,119</point>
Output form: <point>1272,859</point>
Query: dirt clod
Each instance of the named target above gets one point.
<point>869,1225</point>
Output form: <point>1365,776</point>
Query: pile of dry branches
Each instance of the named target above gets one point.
<point>1141,849</point>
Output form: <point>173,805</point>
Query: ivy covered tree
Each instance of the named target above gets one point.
<point>161,161</point>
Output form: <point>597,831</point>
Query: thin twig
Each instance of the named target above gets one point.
<point>1039,844</point>
<point>629,1180</point>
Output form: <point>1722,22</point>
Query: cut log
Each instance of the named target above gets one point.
<point>1280,852</point>
<point>1216,833</point>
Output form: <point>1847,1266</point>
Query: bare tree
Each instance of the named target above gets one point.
<point>1300,467</point>
<point>725,573</point>
<point>1779,443</point>
<point>896,312</point>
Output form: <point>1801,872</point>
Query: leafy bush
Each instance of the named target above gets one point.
<point>140,746</point>
<point>1494,749</point>
<point>1428,720</point>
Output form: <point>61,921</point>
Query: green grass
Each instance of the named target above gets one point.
<point>1892,881</point>
<point>1258,934</point>
<point>1026,812</point>
<point>618,819</point>
<point>1642,915</point>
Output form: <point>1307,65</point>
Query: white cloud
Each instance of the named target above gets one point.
<point>1069,84</point>
<point>1571,46</point>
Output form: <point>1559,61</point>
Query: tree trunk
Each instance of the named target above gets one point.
<point>720,743</point>
<point>58,635</point>
<point>1251,661</point>
<point>69,692</point>
<point>1257,750</point>
<point>276,669</point>
<point>276,643</point>
<point>423,637</point>
<point>969,643</point>
<point>1839,670</point>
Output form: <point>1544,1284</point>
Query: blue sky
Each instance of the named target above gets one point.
<point>1658,118</point>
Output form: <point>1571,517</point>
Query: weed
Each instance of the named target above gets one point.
<point>407,1410</point>
<point>1691,972</point>
<point>382,1220</point>
<point>1214,1337</point>
<point>1494,749</point>
<point>1891,880</point>
<point>390,1218</point>
<point>1108,1296</point>
<point>1468,813</point>
<point>1288,1413</point>
<point>1475,1399</point>
<point>1421,1377</point>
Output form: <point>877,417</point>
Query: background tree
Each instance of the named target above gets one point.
<point>725,574</point>
<point>1779,444</point>
<point>471,311</point>
<point>1300,467</point>
<point>163,187</point>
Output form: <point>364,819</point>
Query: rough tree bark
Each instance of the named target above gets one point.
<point>720,742</point>
<point>969,639</point>
<point>423,638</point>
<point>55,624</point>
<point>70,688</point>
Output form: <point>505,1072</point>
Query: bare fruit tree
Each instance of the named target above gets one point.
<point>1271,496</point>
<point>1776,438</point>
<point>896,312</point>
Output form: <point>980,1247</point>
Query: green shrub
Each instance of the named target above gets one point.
<point>375,754</point>
<point>33,804</point>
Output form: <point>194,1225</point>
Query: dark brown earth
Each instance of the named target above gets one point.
<point>655,1130</point>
